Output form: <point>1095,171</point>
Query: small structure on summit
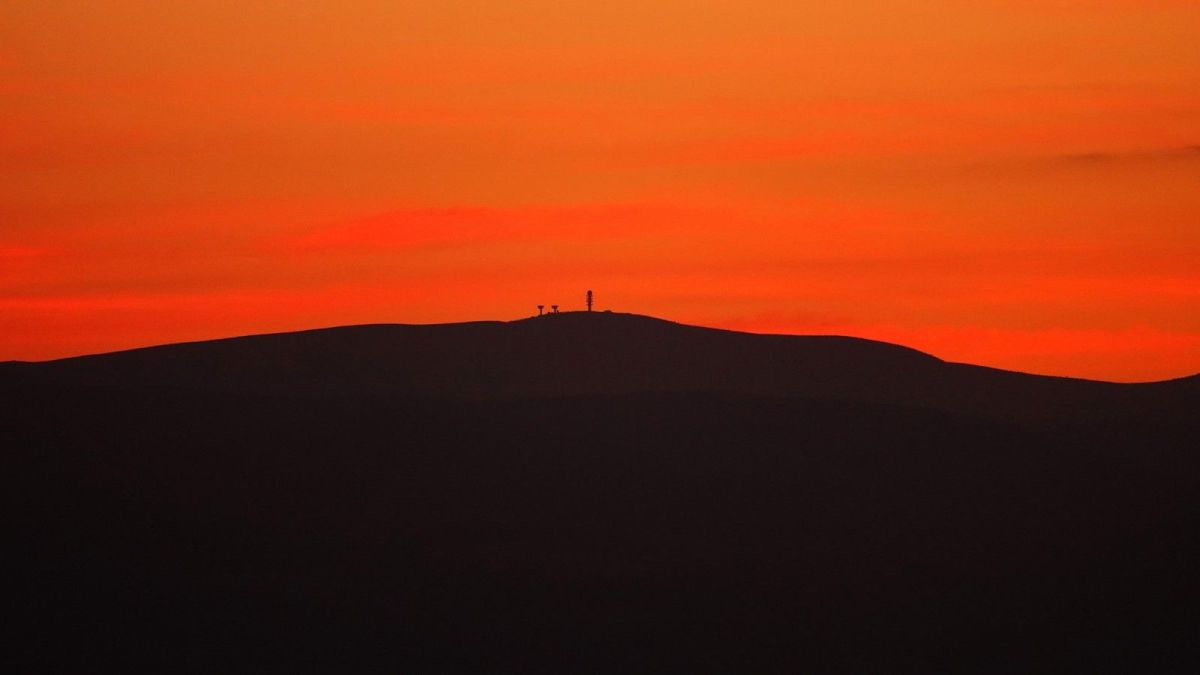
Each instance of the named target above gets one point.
<point>554,308</point>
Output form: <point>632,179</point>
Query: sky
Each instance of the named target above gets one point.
<point>1005,182</point>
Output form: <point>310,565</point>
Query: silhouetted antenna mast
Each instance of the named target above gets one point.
<point>589,301</point>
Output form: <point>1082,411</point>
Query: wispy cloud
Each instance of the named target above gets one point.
<point>1181,157</point>
<point>1184,153</point>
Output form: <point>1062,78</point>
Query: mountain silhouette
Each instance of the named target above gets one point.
<point>588,353</point>
<point>593,492</point>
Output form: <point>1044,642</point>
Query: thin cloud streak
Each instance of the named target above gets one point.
<point>1189,153</point>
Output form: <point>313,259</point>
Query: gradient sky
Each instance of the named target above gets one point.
<point>1008,182</point>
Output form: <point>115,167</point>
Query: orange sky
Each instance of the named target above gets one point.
<point>1006,182</point>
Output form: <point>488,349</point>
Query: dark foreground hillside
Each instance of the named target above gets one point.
<point>167,524</point>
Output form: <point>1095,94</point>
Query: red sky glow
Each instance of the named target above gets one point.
<point>1013,184</point>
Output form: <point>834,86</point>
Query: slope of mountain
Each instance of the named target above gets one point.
<point>593,493</point>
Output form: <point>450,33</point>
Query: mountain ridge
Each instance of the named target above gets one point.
<point>566,316</point>
<point>581,353</point>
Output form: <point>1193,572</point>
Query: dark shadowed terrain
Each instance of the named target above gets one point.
<point>593,493</point>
